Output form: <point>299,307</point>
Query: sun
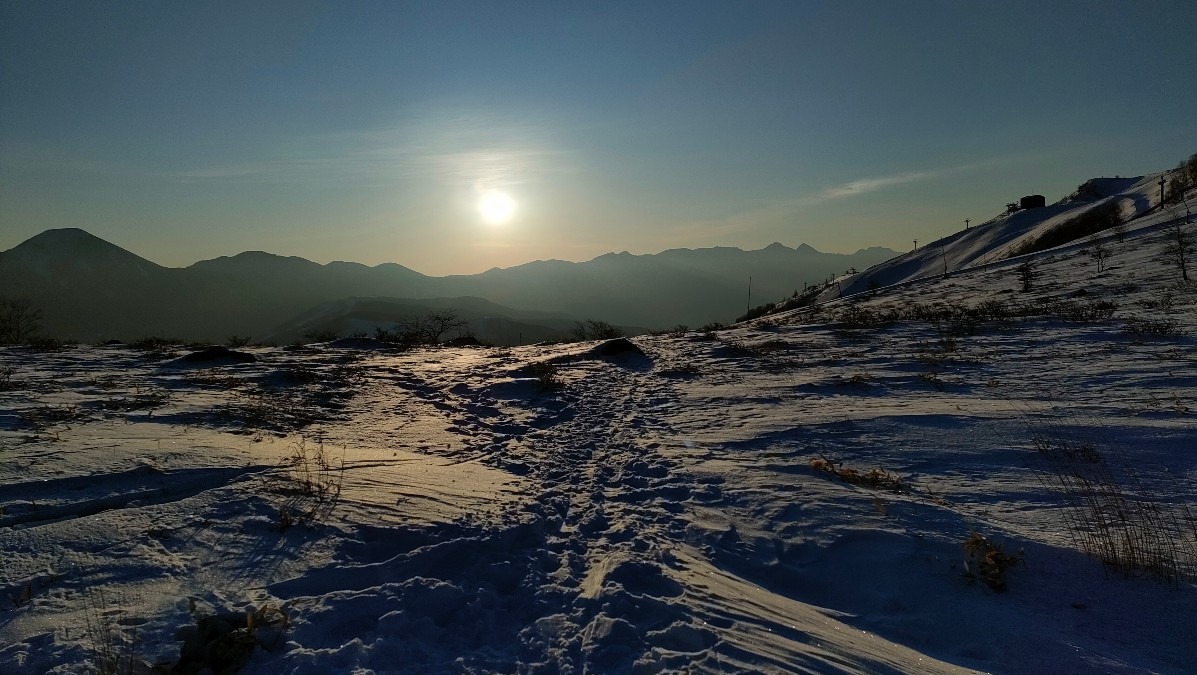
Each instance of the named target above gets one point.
<point>496,207</point>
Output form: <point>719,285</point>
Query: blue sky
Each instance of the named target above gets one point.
<point>368,130</point>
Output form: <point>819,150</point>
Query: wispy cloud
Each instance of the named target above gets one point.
<point>866,185</point>
<point>770,214</point>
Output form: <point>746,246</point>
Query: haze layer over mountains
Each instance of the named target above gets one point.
<point>89,289</point>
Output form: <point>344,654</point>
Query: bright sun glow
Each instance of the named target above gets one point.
<point>496,207</point>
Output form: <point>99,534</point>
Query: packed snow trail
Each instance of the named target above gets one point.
<point>600,571</point>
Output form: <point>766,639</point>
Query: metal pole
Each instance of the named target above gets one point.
<point>966,222</point>
<point>750,292</point>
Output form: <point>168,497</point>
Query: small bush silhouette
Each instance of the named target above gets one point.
<point>547,374</point>
<point>592,329</point>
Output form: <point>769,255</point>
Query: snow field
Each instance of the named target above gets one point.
<point>649,514</point>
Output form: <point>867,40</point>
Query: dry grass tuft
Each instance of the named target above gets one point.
<point>312,484</point>
<point>987,561</point>
<point>1133,528</point>
<point>875,478</point>
<point>114,645</point>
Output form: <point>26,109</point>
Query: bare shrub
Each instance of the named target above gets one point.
<point>1180,246</point>
<point>397,336</point>
<point>592,329</point>
<point>139,397</point>
<point>156,348</point>
<point>434,325</point>
<point>1098,252</point>
<point>425,330</point>
<point>1163,299</point>
<point>264,409</point>
<point>547,374</point>
<point>45,416</point>
<point>19,321</point>
<point>321,334</point>
<point>757,312</point>
<point>154,343</point>
<point>855,318</point>
<point>48,344</point>
<point>1096,310</point>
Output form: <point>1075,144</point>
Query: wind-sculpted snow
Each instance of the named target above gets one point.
<point>787,497</point>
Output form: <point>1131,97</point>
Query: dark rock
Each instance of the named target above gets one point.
<point>616,347</point>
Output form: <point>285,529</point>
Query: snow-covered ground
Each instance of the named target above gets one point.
<point>542,509</point>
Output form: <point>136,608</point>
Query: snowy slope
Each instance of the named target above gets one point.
<point>1000,238</point>
<point>476,510</point>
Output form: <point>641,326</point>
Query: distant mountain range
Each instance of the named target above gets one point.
<point>90,289</point>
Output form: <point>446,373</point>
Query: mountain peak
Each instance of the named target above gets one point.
<point>777,246</point>
<point>255,261</point>
<point>67,251</point>
<point>72,237</point>
<point>806,248</point>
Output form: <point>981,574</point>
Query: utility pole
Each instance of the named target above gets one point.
<point>1162,181</point>
<point>944,253</point>
<point>750,292</point>
<point>916,244</point>
<point>966,222</point>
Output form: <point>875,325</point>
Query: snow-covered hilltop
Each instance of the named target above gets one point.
<point>983,472</point>
<point>1134,202</point>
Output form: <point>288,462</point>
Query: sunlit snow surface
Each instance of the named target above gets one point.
<point>649,514</point>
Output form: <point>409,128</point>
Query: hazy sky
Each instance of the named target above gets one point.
<point>367,131</point>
